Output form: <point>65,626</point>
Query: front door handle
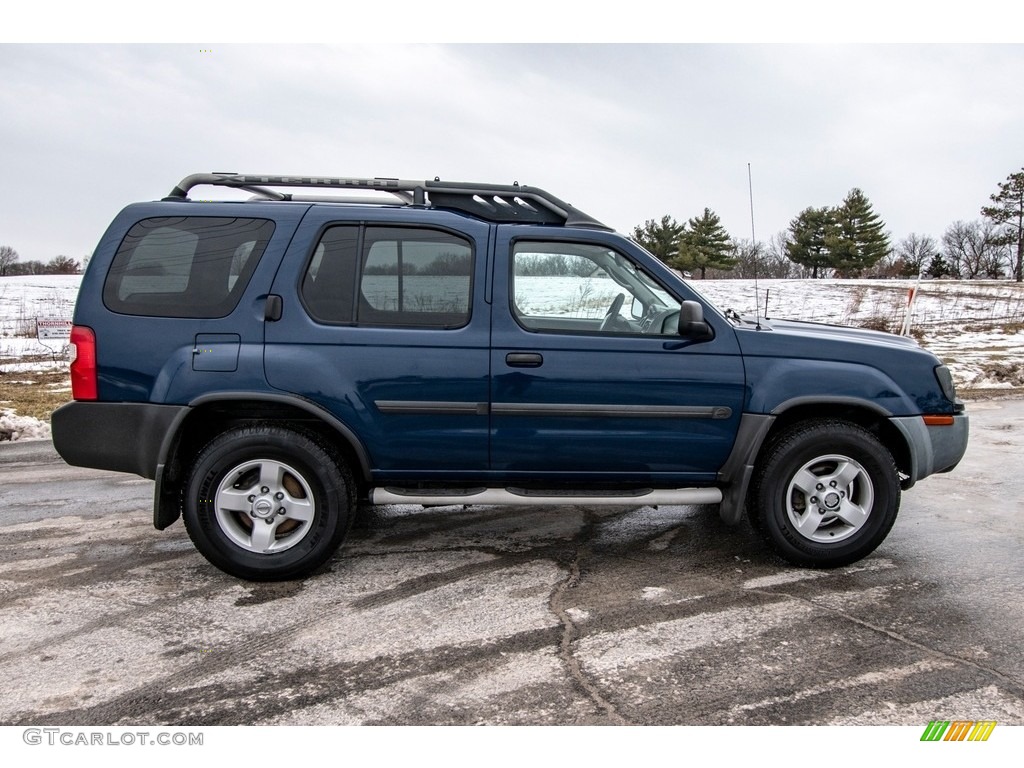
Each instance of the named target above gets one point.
<point>524,360</point>
<point>273,309</point>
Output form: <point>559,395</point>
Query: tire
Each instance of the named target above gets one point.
<point>826,494</point>
<point>268,503</point>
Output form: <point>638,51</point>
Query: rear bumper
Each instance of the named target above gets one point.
<point>121,437</point>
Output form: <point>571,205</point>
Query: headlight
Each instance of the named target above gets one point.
<point>945,379</point>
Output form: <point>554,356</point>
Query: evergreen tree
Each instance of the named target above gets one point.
<point>806,242</point>
<point>661,238</point>
<point>938,267</point>
<point>857,240</point>
<point>705,245</point>
<point>1008,211</point>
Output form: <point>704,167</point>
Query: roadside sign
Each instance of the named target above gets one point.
<point>53,329</point>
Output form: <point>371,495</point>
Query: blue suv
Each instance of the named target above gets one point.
<point>274,363</point>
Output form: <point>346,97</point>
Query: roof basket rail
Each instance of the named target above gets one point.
<point>502,203</point>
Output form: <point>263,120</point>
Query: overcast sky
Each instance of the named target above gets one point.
<point>624,132</point>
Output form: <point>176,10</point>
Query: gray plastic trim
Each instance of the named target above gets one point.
<point>738,469</point>
<point>510,497</point>
<point>431,407</point>
<point>612,411</point>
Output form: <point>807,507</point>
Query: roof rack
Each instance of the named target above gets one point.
<point>501,203</point>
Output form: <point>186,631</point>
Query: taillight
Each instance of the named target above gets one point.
<point>83,363</point>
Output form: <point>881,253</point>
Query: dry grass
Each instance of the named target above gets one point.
<point>1005,373</point>
<point>877,323</point>
<point>969,394</point>
<point>35,393</point>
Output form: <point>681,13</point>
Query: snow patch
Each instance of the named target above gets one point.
<point>22,427</point>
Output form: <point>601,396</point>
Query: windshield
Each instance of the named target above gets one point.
<point>659,293</point>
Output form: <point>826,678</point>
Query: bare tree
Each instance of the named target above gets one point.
<point>31,267</point>
<point>7,258</point>
<point>890,265</point>
<point>764,260</point>
<point>748,261</point>
<point>774,263</point>
<point>975,249</point>
<point>916,253</point>
<point>62,265</point>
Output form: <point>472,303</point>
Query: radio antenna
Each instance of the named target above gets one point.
<point>753,250</point>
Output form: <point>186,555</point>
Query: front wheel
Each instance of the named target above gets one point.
<point>826,494</point>
<point>267,503</point>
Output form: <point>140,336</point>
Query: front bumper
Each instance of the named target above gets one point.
<point>933,449</point>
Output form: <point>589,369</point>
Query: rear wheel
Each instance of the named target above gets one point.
<point>826,494</point>
<point>267,503</point>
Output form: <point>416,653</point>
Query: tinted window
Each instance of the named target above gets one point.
<point>390,276</point>
<point>329,286</point>
<point>185,266</point>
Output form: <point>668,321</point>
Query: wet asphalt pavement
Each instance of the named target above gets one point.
<point>515,615</point>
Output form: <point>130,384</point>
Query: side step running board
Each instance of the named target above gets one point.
<point>521,498</point>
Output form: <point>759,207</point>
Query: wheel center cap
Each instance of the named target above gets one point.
<point>832,500</point>
<point>263,508</point>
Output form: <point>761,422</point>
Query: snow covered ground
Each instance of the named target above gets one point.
<point>22,301</point>
<point>25,299</point>
<point>976,327</point>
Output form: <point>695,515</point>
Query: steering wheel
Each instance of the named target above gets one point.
<point>611,317</point>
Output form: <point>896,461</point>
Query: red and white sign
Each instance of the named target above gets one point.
<point>48,328</point>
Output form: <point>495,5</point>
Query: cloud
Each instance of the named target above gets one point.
<point>626,132</point>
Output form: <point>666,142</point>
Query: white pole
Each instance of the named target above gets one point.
<point>911,298</point>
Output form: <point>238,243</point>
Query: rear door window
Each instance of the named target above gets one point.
<point>390,276</point>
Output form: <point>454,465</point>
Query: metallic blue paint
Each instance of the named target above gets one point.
<point>609,370</point>
<point>789,360</point>
<point>149,359</point>
<point>344,371</point>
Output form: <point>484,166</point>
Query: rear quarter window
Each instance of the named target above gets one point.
<point>185,266</point>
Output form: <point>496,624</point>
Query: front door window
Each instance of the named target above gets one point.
<point>583,288</point>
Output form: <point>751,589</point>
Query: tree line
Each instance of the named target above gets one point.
<point>846,240</point>
<point>58,265</point>
<point>849,240</point>
<point>445,264</point>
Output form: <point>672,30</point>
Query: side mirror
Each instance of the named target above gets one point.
<point>636,309</point>
<point>691,322</point>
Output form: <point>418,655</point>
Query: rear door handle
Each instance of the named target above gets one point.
<point>524,360</point>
